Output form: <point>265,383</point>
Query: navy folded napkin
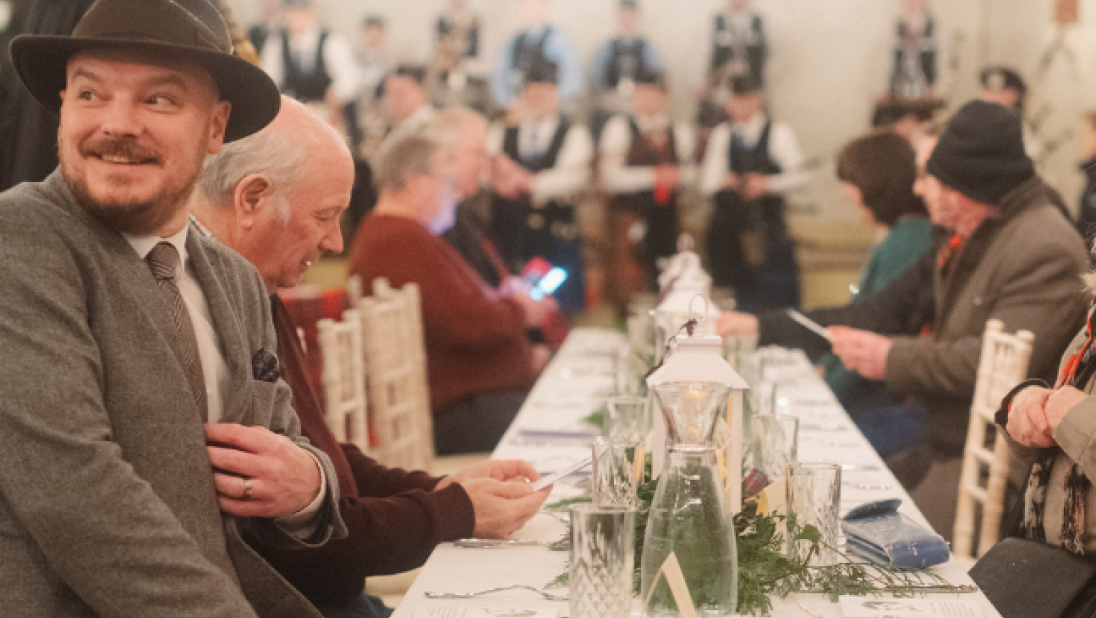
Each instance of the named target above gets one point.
<point>876,531</point>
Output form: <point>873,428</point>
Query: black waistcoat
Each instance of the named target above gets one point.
<point>723,51</point>
<point>626,59</point>
<point>927,53</point>
<point>642,153</point>
<point>305,87</point>
<point>523,228</point>
<point>529,51</point>
<point>757,159</point>
<point>547,159</point>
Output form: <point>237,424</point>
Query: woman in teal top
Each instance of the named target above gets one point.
<point>877,173</point>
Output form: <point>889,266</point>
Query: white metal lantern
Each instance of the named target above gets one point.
<point>695,363</point>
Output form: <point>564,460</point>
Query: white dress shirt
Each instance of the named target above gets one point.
<point>571,174</point>
<point>741,24</point>
<point>338,57</point>
<point>783,148</point>
<point>214,366</point>
<point>616,140</point>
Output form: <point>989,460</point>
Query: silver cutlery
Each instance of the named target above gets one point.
<point>858,467</point>
<point>957,588</point>
<point>868,486</point>
<point>551,442</point>
<point>953,588</point>
<point>504,543</point>
<point>551,596</point>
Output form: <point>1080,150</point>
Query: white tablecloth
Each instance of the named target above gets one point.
<point>573,386</point>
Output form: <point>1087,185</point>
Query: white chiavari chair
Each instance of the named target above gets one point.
<point>395,360</point>
<point>345,404</point>
<point>1003,365</point>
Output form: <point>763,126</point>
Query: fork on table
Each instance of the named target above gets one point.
<point>551,596</point>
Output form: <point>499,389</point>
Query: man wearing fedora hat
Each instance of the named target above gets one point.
<point>145,430</point>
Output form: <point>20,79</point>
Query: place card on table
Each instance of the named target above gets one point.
<point>877,607</point>
<point>461,610</point>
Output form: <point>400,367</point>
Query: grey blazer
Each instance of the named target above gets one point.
<point>107,502</point>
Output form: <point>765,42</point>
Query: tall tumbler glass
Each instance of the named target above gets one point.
<point>814,498</point>
<point>774,443</point>
<point>629,372</point>
<point>628,419</point>
<point>617,468</point>
<point>602,560</point>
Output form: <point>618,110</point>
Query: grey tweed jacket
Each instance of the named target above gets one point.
<point>107,502</point>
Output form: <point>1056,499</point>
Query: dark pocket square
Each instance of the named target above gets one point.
<point>264,366</point>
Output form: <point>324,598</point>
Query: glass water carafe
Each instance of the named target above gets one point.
<point>689,515</point>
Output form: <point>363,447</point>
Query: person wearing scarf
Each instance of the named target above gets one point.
<point>1053,428</point>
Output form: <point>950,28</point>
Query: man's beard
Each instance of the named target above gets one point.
<point>140,218</point>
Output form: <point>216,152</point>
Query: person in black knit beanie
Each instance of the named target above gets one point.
<point>981,155</point>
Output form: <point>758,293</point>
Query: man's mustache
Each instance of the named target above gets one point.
<point>126,149</point>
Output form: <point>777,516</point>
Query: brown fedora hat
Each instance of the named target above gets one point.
<point>191,30</point>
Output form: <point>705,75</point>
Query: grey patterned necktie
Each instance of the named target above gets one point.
<point>164,262</point>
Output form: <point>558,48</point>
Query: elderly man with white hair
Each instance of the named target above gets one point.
<point>276,198</point>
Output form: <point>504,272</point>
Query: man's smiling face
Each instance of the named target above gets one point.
<point>133,136</point>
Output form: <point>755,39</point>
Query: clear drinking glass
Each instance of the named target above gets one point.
<point>627,419</point>
<point>629,371</point>
<point>774,443</point>
<point>763,397</point>
<point>814,498</point>
<point>689,515</point>
<point>602,560</point>
<point>616,472</point>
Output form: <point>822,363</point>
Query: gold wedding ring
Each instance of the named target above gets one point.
<point>247,489</point>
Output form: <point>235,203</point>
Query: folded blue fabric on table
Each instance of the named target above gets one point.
<point>876,531</point>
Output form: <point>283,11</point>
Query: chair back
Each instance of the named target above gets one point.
<point>1003,365</point>
<point>395,360</point>
<point>345,404</point>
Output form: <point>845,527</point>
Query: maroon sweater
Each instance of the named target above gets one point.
<point>475,338</point>
<point>394,517</point>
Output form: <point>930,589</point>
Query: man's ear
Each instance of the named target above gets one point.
<point>253,195</point>
<point>217,126</point>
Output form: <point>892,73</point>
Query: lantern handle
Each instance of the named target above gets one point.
<point>689,327</point>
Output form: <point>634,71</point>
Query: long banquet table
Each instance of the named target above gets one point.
<point>573,386</point>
